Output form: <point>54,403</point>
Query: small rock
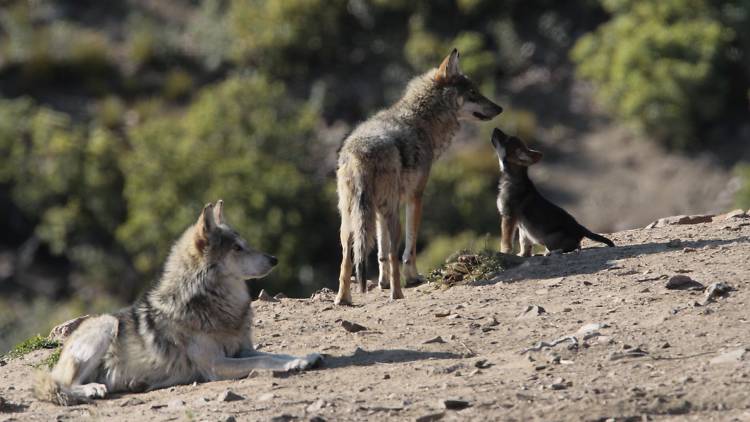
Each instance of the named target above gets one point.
<point>317,419</point>
<point>132,401</point>
<point>323,294</point>
<point>437,339</point>
<point>681,219</point>
<point>284,417</point>
<point>64,330</point>
<point>386,377</point>
<point>431,417</point>
<point>451,404</point>
<point>733,356</point>
<point>482,364</point>
<point>442,314</point>
<point>229,395</point>
<point>674,243</point>
<point>352,327</point>
<point>3,363</point>
<point>266,397</point>
<point>683,282</point>
<point>558,386</point>
<point>230,419</point>
<point>279,296</point>
<point>316,406</point>
<point>714,290</point>
<point>454,316</point>
<point>734,214</point>
<point>532,311</point>
<point>176,404</point>
<point>265,297</point>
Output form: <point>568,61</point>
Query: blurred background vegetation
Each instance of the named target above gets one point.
<point>119,120</point>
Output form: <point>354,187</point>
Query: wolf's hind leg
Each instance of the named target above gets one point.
<point>413,220</point>
<point>344,296</point>
<point>68,383</point>
<point>395,238</point>
<point>384,248</point>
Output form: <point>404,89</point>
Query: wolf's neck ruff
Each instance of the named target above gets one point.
<point>429,107</point>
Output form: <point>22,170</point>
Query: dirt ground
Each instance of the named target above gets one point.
<point>656,354</point>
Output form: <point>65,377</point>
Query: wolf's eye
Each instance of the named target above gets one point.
<point>237,247</point>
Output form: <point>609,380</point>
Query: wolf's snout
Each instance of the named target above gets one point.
<point>273,260</point>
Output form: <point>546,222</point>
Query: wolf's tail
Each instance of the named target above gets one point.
<point>597,237</point>
<point>49,389</point>
<point>359,205</point>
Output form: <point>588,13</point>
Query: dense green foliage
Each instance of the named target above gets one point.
<point>669,66</point>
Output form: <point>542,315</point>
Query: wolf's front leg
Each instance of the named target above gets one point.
<point>507,229</point>
<point>212,363</point>
<point>413,220</point>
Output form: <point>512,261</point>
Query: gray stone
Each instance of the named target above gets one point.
<point>229,395</point>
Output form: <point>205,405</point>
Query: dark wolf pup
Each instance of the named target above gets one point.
<point>193,325</point>
<point>539,221</point>
<point>387,159</point>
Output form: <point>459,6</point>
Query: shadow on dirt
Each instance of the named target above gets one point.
<point>594,259</point>
<point>372,357</point>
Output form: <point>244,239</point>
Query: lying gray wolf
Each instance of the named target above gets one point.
<point>387,159</point>
<point>539,221</point>
<point>193,325</point>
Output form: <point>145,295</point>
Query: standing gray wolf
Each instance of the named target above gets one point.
<point>193,325</point>
<point>387,159</point>
<point>539,221</point>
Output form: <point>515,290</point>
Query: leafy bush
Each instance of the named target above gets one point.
<point>245,141</point>
<point>660,65</point>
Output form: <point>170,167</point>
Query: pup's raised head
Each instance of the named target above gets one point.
<point>511,150</point>
<point>220,245</point>
<point>472,105</point>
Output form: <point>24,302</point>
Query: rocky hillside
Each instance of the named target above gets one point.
<point>654,329</point>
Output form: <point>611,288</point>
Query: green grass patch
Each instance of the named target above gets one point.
<point>467,267</point>
<point>34,343</point>
<point>51,359</point>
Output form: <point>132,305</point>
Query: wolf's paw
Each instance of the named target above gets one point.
<point>94,391</point>
<point>384,284</point>
<point>395,295</point>
<point>307,362</point>
<point>343,299</point>
<point>415,281</point>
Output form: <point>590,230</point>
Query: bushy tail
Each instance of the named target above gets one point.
<point>46,388</point>
<point>597,237</point>
<point>361,220</point>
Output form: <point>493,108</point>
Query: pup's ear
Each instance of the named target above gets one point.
<point>528,157</point>
<point>219,212</point>
<point>498,137</point>
<point>204,227</point>
<point>448,68</point>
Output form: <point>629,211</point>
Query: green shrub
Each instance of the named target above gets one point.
<point>658,64</point>
<point>245,141</point>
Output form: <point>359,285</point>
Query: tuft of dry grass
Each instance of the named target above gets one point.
<point>467,267</point>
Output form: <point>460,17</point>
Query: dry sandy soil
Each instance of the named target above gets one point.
<point>658,355</point>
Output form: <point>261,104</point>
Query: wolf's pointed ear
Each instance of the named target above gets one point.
<point>204,226</point>
<point>219,212</point>
<point>448,68</point>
